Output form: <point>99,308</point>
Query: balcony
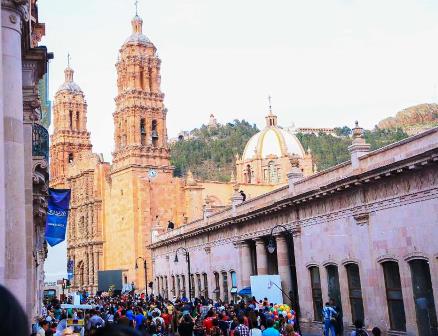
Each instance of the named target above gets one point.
<point>40,141</point>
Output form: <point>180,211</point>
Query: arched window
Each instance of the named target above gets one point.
<point>78,127</point>
<point>154,133</point>
<point>183,284</point>
<point>71,119</point>
<point>394,296</point>
<point>217,290</point>
<point>173,286</point>
<point>272,171</point>
<point>355,292</point>
<point>423,297</point>
<point>334,289</point>
<point>192,285</point>
<point>248,174</point>
<point>205,285</point>
<point>198,284</point>
<point>225,285</point>
<point>315,283</point>
<point>178,286</point>
<point>142,132</point>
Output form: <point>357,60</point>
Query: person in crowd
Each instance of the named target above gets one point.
<point>186,325</point>
<point>358,329</point>
<point>241,327</point>
<point>338,320</point>
<point>329,315</point>
<point>376,331</point>
<point>14,321</point>
<point>270,330</point>
<point>43,327</point>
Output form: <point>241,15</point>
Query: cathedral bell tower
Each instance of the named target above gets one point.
<point>70,137</point>
<point>140,133</point>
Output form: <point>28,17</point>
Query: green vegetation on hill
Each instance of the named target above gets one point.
<point>211,153</point>
<point>328,150</point>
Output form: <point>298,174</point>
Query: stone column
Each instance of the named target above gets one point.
<point>86,270</point>
<point>245,264</point>
<point>13,163</point>
<point>90,267</point>
<point>96,267</point>
<point>284,266</point>
<point>262,257</point>
<point>2,180</point>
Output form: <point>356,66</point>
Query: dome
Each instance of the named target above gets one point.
<point>69,84</point>
<point>137,36</point>
<point>272,140</point>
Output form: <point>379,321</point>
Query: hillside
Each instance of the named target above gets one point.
<point>413,120</point>
<point>329,150</point>
<point>210,153</point>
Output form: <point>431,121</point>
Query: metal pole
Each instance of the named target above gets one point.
<point>190,275</point>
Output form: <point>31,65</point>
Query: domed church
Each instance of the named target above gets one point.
<point>270,154</point>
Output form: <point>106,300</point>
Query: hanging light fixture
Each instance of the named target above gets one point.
<point>271,246</point>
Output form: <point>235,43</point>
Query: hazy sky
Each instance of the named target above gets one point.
<point>324,62</point>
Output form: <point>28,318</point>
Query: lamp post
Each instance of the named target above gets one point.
<point>187,255</point>
<point>145,266</point>
<point>293,271</point>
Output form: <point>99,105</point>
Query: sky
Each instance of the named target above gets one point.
<point>326,63</point>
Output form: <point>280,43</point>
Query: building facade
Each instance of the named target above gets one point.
<point>24,153</point>
<point>117,208</point>
<point>362,233</point>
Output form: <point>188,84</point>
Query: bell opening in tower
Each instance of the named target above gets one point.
<point>154,133</point>
<point>142,132</point>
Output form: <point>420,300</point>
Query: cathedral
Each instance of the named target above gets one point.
<point>118,208</point>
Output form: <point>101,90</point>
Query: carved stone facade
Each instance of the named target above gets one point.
<point>24,152</point>
<point>347,222</point>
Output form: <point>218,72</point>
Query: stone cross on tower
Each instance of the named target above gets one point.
<point>270,105</point>
<point>136,7</point>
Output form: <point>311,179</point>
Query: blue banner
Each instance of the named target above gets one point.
<point>57,215</point>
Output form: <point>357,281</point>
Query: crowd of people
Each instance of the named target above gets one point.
<point>137,315</point>
<point>132,314</point>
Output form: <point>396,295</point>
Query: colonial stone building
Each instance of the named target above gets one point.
<point>24,152</point>
<point>363,233</point>
<point>117,208</point>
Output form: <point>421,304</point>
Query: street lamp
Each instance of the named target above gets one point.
<point>291,255</point>
<point>187,255</point>
<point>145,266</point>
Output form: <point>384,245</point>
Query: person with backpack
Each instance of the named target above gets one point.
<point>358,331</point>
<point>329,315</point>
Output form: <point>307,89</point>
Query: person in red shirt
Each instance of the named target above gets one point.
<point>167,318</point>
<point>208,322</point>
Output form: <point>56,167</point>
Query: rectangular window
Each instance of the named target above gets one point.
<point>355,292</point>
<point>423,298</point>
<point>315,282</point>
<point>205,285</point>
<point>394,297</point>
